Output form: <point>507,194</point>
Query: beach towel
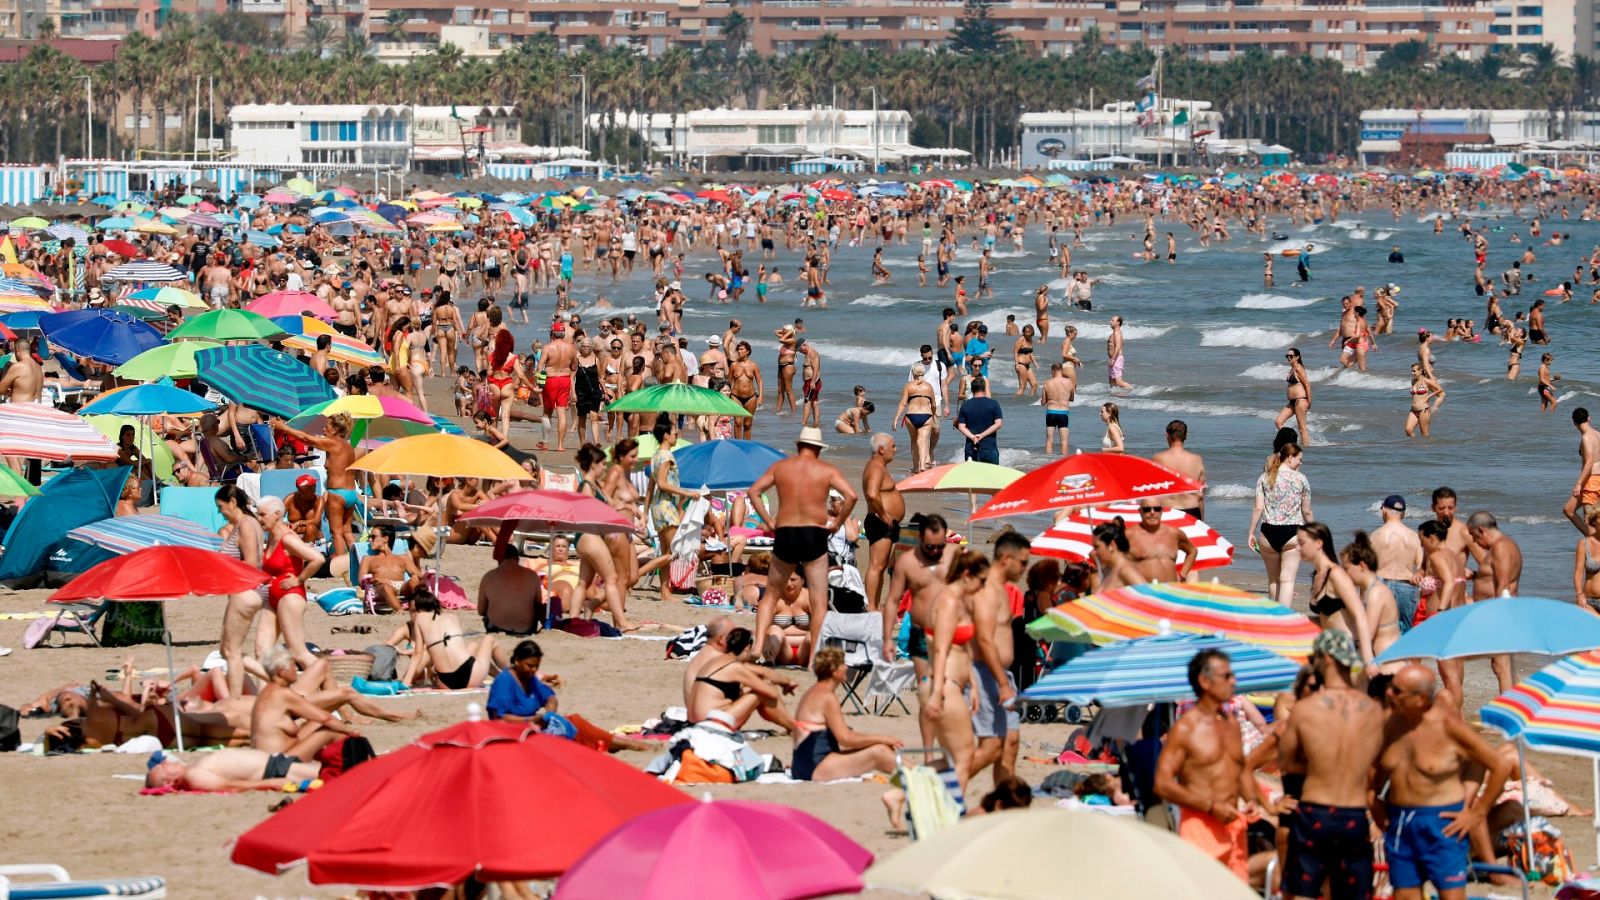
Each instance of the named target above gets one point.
<point>933,807</point>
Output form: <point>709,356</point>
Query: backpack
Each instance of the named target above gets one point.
<point>10,729</point>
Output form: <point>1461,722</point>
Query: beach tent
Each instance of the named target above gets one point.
<point>74,498</point>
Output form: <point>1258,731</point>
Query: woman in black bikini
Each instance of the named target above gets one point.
<point>728,690</point>
<point>1283,504</point>
<point>457,665</point>
<point>1299,402</point>
<point>1335,601</point>
<point>916,412</point>
<point>1022,360</point>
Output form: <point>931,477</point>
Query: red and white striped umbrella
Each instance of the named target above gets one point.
<point>1072,538</point>
<point>36,431</point>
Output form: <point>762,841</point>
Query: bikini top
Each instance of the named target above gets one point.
<point>1328,602</point>
<point>1590,566</point>
<point>730,689</point>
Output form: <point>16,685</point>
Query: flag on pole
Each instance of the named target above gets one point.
<point>1148,82</point>
<point>1182,118</point>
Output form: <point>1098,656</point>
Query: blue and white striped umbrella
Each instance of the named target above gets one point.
<point>125,534</point>
<point>145,271</point>
<point>24,286</point>
<point>1156,669</point>
<point>262,378</point>
<point>63,231</point>
<point>263,240</point>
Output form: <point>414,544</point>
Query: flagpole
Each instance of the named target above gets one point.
<point>1161,74</point>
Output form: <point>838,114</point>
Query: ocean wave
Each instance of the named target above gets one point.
<point>1230,491</point>
<point>1247,336</point>
<point>882,300</point>
<point>1321,245</point>
<point>1532,520</point>
<point>1366,381</point>
<point>1120,279</point>
<point>1099,331</point>
<point>1273,301</point>
<point>1381,235</point>
<point>1360,234</point>
<point>868,356</point>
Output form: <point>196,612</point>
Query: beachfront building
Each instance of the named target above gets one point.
<point>1385,133</point>
<point>288,133</point>
<point>702,136</point>
<point>1060,139</point>
<point>1521,25</point>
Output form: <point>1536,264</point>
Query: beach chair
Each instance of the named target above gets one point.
<point>193,504</point>
<point>61,885</point>
<point>860,637</point>
<point>933,796</point>
<point>78,618</point>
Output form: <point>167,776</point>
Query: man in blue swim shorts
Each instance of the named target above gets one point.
<point>1425,819</point>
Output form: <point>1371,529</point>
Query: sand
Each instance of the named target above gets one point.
<point>84,811</point>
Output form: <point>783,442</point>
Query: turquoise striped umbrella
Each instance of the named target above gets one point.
<point>1156,670</point>
<point>262,378</point>
<point>125,534</point>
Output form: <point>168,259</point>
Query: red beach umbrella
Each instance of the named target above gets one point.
<point>122,248</point>
<point>1073,537</point>
<point>162,573</point>
<point>1087,479</point>
<point>496,800</point>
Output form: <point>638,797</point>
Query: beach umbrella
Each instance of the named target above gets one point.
<point>157,299</point>
<point>684,399</point>
<point>281,197</point>
<point>116,223</point>
<point>725,465</point>
<point>1086,479</point>
<point>246,201</point>
<point>145,271</point>
<point>262,239</point>
<point>14,485</point>
<point>549,510</point>
<point>724,848</point>
<point>99,334</point>
<point>129,534</point>
<point>300,186</point>
<point>162,573</point>
<point>151,226</point>
<point>187,200</point>
<point>456,803</point>
<point>35,431</point>
<point>441,456</point>
<point>155,446</point>
<point>262,378</point>
<point>1556,709</point>
<point>130,206</point>
<point>373,417</point>
<point>1499,625</point>
<point>1018,855</point>
<point>341,349</point>
<point>227,325</point>
<point>303,326</point>
<point>1072,538</point>
<point>29,223</point>
<point>1208,608</point>
<point>25,286</point>
<point>15,304</point>
<point>174,361</point>
<point>148,400</point>
<point>971,478</point>
<point>1156,670</point>
<point>292,303</point>
<point>66,230</point>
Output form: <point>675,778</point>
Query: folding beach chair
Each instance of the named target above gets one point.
<point>860,636</point>
<point>77,618</point>
<point>62,885</point>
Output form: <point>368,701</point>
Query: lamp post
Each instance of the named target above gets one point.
<point>584,122</point>
<point>88,111</point>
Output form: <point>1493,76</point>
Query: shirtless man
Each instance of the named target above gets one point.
<point>230,769</point>
<point>1347,336</point>
<point>340,497</point>
<point>1333,736</point>
<point>810,382</point>
<point>744,382</point>
<point>509,596</point>
<point>24,378</point>
<point>556,364</point>
<point>1499,574</point>
<point>284,722</point>
<point>347,313</point>
<point>1057,394</point>
<point>1202,768</point>
<point>1426,822</point>
<point>1179,458</point>
<point>1460,543</point>
<point>919,572</point>
<point>716,655</point>
<point>217,280</point>
<point>467,496</point>
<point>1586,492</point>
<point>996,722</point>
<point>800,539</point>
<point>304,509</point>
<point>1154,547</point>
<point>885,509</point>
<point>394,575</point>
<point>1114,358</point>
<point>1399,553</point>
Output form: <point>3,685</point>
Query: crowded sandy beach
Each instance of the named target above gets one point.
<point>909,505</point>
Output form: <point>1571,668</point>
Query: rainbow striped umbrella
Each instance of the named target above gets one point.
<point>35,431</point>
<point>1156,670</point>
<point>1188,608</point>
<point>341,349</point>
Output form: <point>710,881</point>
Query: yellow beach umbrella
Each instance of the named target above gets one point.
<point>445,227</point>
<point>146,440</point>
<point>154,227</point>
<point>440,456</point>
<point>300,186</point>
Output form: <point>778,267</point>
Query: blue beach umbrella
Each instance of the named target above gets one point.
<point>725,465</point>
<point>262,378</point>
<point>125,534</point>
<point>246,201</point>
<point>104,200</point>
<point>1156,670</point>
<point>154,399</point>
<point>1499,625</point>
<point>101,335</point>
<point>264,240</point>
<point>115,223</point>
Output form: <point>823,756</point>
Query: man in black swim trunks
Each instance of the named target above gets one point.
<point>802,526</point>
<point>885,507</point>
<point>919,572</point>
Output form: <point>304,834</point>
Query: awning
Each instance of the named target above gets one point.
<point>435,153</point>
<point>1378,147</point>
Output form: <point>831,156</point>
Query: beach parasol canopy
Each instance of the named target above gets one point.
<point>1156,670</point>
<point>384,418</point>
<point>683,399</point>
<point>145,271</point>
<point>1086,479</point>
<point>35,431</point>
<point>441,456</point>
<point>1018,855</point>
<point>724,465</point>
<point>148,400</point>
<point>128,534</point>
<point>972,477</point>
<point>99,334</point>
<point>1499,625</point>
<point>550,510</point>
<point>262,378</point>
<point>341,348</point>
<point>153,446</point>
<point>1072,538</point>
<point>458,802</point>
<point>292,303</point>
<point>14,485</point>
<point>723,848</point>
<point>164,297</point>
<point>1143,610</point>
<point>173,361</point>
<point>227,325</point>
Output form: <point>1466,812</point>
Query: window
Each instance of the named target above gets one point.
<point>719,129</point>
<point>1500,29</point>
<point>1530,29</point>
<point>1533,11</point>
<point>777,134</point>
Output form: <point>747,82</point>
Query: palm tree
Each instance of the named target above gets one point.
<point>1406,55</point>
<point>315,38</point>
<point>394,25</point>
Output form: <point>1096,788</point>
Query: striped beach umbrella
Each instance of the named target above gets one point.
<point>125,534</point>
<point>35,431</point>
<point>1156,669</point>
<point>159,298</point>
<point>1073,537</point>
<point>63,231</point>
<point>1189,608</point>
<point>373,417</point>
<point>262,378</point>
<point>145,271</point>
<point>24,287</point>
<point>342,349</point>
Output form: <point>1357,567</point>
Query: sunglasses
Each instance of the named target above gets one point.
<point>1149,509</point>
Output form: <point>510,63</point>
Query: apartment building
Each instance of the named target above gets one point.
<point>706,134</point>
<point>1522,24</point>
<point>289,134</point>
<point>1114,129</point>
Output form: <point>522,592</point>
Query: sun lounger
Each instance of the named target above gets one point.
<point>79,618</point>
<point>193,504</point>
<point>61,885</point>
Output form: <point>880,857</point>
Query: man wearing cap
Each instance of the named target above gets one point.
<point>1426,817</point>
<point>304,508</point>
<point>1399,557</point>
<point>1333,736</point>
<point>1202,768</point>
<point>556,367</point>
<point>802,526</point>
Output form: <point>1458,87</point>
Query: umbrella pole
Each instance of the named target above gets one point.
<point>1596,779</point>
<point>177,712</point>
<point>1527,817</point>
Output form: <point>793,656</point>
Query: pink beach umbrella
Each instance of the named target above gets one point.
<point>292,303</point>
<point>722,848</point>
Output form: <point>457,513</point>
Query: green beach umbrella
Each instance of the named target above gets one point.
<point>166,361</point>
<point>188,200</point>
<point>679,398</point>
<point>33,222</point>
<point>143,438</point>
<point>227,325</point>
<point>14,485</point>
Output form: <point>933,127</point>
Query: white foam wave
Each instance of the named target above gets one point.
<point>1099,331</point>
<point>1230,491</point>
<point>1273,301</point>
<point>868,356</point>
<point>1381,235</point>
<point>881,300</point>
<point>1360,234</point>
<point>1354,378</point>
<point>1120,279</point>
<point>1532,520</point>
<point>1247,336</point>
<point>1317,246</point>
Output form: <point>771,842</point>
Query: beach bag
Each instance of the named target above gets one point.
<point>10,729</point>
<point>384,658</point>
<point>681,573</point>
<point>1551,863</point>
<point>341,602</point>
<point>694,770</point>
<point>687,644</point>
<point>560,726</point>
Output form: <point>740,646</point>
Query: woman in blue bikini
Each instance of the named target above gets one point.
<point>916,411</point>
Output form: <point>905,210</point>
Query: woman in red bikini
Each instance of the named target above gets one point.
<point>952,662</point>
<point>505,368</point>
<point>290,562</point>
